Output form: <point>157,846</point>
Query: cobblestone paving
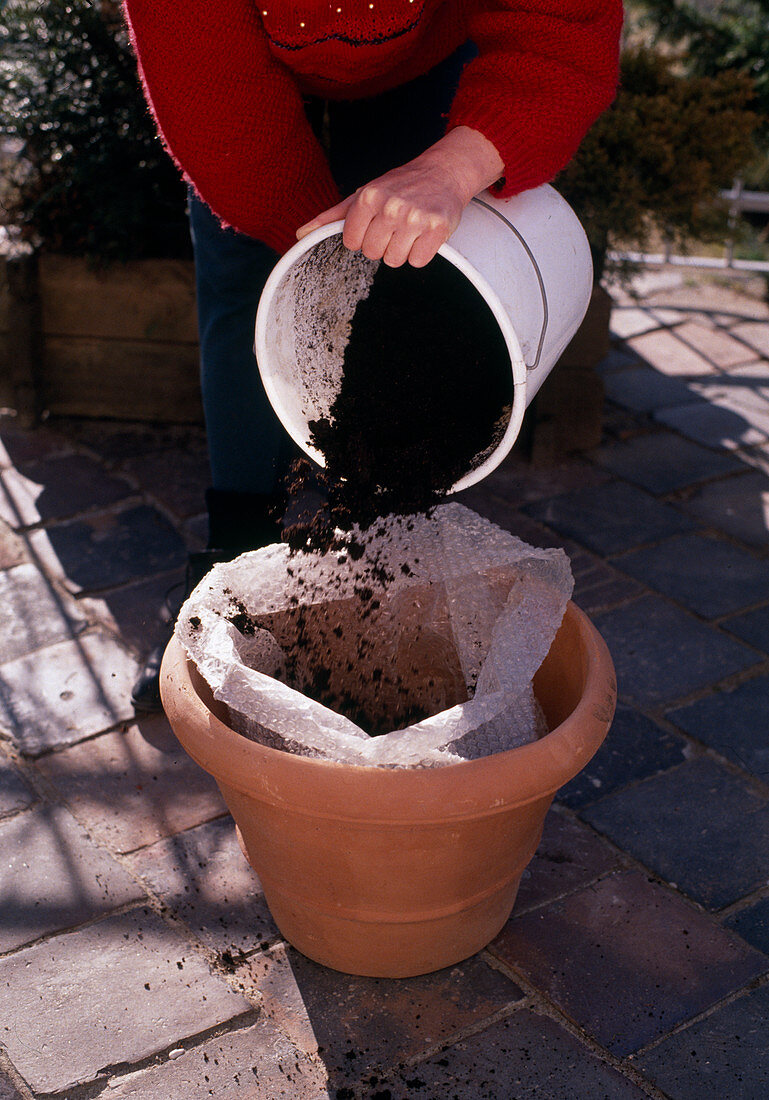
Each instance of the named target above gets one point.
<point>138,958</point>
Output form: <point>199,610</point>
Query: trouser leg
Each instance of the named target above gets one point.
<point>249,449</point>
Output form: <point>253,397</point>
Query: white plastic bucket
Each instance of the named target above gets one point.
<point>527,256</point>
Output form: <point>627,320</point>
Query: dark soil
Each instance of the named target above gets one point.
<point>426,394</point>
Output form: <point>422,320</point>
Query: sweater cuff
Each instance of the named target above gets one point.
<point>534,149</point>
<point>295,208</point>
<point>290,208</point>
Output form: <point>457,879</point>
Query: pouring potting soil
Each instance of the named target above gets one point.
<point>392,629</point>
<point>426,394</point>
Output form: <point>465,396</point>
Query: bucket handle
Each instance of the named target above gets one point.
<point>538,273</point>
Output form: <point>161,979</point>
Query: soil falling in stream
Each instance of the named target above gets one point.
<point>425,396</point>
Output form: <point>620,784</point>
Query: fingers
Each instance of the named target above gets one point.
<point>334,214</point>
<point>403,217</point>
<point>387,227</point>
<point>425,247</point>
<point>365,207</point>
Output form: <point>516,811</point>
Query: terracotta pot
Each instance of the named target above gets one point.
<point>398,872</point>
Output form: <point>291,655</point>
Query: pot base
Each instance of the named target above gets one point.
<point>390,948</point>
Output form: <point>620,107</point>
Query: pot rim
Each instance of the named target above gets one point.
<point>324,788</point>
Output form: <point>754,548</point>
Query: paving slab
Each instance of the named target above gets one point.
<point>569,856</point>
<point>359,1025</point>
<point>738,505</point>
<point>116,443</point>
<point>646,390</point>
<point>755,334</point>
<point>671,351</point>
<point>619,357</point>
<point>620,423</point>
<point>733,723</point>
<point>139,613</point>
<point>735,301</point>
<point>21,445</point>
<point>134,787</point>
<point>752,627</point>
<point>66,692</point>
<point>8,1090</point>
<point>628,321</point>
<point>743,387</point>
<point>15,794</point>
<point>55,488</point>
<point>707,575</point>
<point>610,518</point>
<point>725,1054</point>
<point>597,585</point>
<point>177,478</point>
<point>34,613</point>
<point>256,1063</point>
<point>714,344</point>
<point>515,482</point>
<point>752,924</point>
<point>203,877</point>
<point>13,549</point>
<point>742,391</point>
<point>634,749</point>
<point>526,1056</point>
<point>53,877</point>
<point>662,653</point>
<point>711,424</point>
<point>699,827</point>
<point>107,549</point>
<point>663,461</point>
<point>749,383</point>
<point>119,991</point>
<point>755,457</point>
<point>626,960</point>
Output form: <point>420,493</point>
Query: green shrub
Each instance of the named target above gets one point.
<point>716,37</point>
<point>656,160</point>
<point>95,180</point>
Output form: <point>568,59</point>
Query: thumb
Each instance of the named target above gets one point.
<point>334,214</point>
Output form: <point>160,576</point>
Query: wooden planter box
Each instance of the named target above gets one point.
<point>122,343</point>
<point>115,342</point>
<point>567,414</point>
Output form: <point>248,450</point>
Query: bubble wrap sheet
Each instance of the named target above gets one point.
<point>457,610</point>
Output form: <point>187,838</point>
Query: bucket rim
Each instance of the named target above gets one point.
<point>446,251</point>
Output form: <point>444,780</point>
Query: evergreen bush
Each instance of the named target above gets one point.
<point>93,178</point>
<point>657,159</point>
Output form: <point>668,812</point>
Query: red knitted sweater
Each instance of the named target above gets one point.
<point>225,80</point>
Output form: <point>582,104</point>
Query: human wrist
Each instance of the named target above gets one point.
<point>469,158</point>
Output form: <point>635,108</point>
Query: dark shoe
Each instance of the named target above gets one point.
<point>236,522</point>
<point>145,695</point>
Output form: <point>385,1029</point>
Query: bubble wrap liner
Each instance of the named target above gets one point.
<point>444,615</point>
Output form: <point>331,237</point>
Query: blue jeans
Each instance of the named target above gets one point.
<point>249,450</point>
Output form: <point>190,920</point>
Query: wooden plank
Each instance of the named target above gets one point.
<point>24,339</point>
<point>5,298</point>
<point>140,300</point>
<point>127,380</point>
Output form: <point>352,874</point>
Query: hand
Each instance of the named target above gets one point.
<point>408,213</point>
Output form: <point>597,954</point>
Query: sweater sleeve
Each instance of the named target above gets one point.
<point>545,71</point>
<point>230,114</point>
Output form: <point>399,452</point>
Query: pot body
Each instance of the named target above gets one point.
<point>527,256</point>
<point>398,872</point>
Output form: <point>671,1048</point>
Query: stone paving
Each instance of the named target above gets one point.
<point>137,956</point>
